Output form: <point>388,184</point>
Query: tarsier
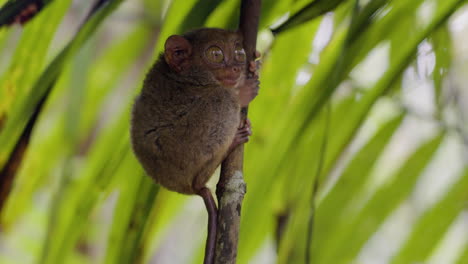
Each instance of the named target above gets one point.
<point>187,118</point>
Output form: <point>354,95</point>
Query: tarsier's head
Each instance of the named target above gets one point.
<point>217,51</point>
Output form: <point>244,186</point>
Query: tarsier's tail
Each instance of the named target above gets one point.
<point>210,204</point>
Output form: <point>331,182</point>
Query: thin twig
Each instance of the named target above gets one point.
<point>231,186</point>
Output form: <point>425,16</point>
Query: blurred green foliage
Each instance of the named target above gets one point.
<point>339,112</point>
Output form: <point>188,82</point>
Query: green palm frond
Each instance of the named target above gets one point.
<point>361,103</point>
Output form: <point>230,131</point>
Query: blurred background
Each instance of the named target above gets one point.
<point>359,152</point>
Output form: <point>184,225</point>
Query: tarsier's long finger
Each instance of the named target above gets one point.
<point>248,123</point>
<point>254,66</point>
<point>246,126</point>
<point>245,131</point>
<point>242,137</point>
<point>243,140</point>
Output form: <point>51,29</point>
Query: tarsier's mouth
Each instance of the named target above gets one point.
<point>229,80</point>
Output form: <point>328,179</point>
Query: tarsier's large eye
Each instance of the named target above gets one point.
<point>214,54</point>
<point>239,53</point>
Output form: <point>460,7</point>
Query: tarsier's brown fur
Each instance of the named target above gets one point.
<point>186,119</point>
<point>184,122</point>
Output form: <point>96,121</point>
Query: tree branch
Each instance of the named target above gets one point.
<point>231,186</point>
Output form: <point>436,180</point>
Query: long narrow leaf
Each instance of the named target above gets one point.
<point>431,227</point>
<point>360,228</point>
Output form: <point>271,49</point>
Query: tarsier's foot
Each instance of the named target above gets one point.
<point>242,135</point>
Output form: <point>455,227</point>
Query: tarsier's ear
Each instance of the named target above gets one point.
<point>177,51</point>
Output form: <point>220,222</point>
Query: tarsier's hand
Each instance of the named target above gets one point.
<point>249,90</point>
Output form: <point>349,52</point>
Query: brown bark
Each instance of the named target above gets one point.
<point>231,186</point>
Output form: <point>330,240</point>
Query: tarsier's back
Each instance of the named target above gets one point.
<point>183,123</point>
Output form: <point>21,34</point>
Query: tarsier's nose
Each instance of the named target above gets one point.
<point>236,69</point>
